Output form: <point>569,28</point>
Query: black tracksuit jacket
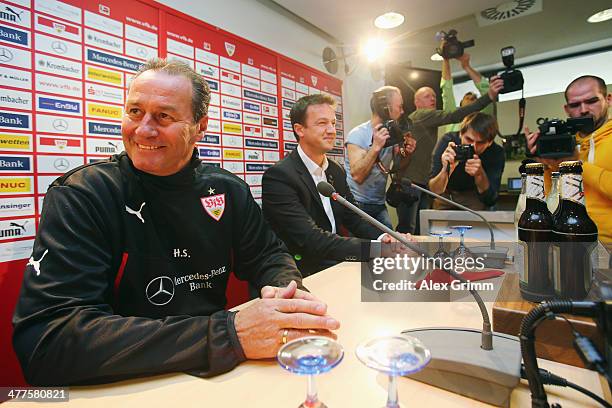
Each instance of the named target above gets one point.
<point>129,271</point>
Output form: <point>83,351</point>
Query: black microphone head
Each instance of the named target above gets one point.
<point>325,189</point>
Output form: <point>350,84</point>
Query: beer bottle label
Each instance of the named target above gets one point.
<point>571,188</point>
<point>535,187</point>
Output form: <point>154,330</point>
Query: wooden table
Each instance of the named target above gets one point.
<point>351,384</point>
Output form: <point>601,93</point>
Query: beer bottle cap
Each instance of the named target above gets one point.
<point>573,166</point>
<point>534,169</point>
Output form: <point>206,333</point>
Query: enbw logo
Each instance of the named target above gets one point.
<point>59,105</point>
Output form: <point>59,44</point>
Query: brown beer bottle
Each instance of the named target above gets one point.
<point>535,233</point>
<point>575,236</point>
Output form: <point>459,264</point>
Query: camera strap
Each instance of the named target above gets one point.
<point>521,112</point>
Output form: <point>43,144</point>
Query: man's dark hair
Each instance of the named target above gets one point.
<point>601,84</point>
<point>481,123</point>
<point>385,92</point>
<point>299,108</point>
<point>200,89</point>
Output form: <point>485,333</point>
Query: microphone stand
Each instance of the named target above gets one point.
<point>446,200</point>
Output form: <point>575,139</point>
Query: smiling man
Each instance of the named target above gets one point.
<point>308,222</point>
<point>130,266</point>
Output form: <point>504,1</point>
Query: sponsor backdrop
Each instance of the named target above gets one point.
<point>64,70</point>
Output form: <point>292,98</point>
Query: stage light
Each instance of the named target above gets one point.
<point>389,20</point>
<point>374,49</point>
<point>603,15</point>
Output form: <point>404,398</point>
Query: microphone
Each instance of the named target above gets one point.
<point>409,182</point>
<point>463,360</point>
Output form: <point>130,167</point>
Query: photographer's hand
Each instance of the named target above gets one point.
<point>496,84</point>
<point>448,158</point>
<point>553,164</point>
<point>474,168</point>
<point>379,138</point>
<point>409,145</point>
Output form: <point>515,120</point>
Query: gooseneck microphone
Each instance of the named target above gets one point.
<point>409,182</point>
<point>327,190</point>
<point>464,360</point>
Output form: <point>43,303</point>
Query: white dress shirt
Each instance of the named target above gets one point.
<point>318,174</point>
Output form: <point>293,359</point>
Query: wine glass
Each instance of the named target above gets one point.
<point>394,355</point>
<point>440,253</point>
<point>462,251</point>
<point>310,356</point>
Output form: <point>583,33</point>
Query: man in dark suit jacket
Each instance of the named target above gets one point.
<point>306,221</point>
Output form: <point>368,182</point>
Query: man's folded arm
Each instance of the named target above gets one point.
<point>65,329</point>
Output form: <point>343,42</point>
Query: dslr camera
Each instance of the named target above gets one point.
<point>513,78</point>
<point>451,46</point>
<point>558,138</point>
<point>463,152</point>
<point>397,129</point>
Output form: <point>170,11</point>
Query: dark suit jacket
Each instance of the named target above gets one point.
<point>293,208</point>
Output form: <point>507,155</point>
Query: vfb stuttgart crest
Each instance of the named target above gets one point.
<point>214,205</point>
<point>230,48</point>
<point>313,79</point>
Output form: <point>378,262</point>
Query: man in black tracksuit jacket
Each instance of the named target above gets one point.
<point>129,269</point>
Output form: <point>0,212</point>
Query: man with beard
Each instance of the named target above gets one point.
<point>588,96</point>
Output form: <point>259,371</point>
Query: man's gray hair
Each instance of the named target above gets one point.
<point>201,91</point>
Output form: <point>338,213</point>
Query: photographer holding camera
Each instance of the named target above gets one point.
<point>426,119</point>
<point>467,165</point>
<point>587,97</point>
<point>370,151</point>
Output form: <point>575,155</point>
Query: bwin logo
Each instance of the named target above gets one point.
<point>10,15</point>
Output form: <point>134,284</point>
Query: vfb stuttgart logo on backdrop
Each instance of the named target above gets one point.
<point>230,48</point>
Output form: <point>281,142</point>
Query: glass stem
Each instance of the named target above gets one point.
<point>392,397</point>
<point>311,396</point>
<point>440,243</point>
<point>461,239</point>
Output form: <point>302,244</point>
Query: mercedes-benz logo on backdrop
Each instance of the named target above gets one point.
<point>141,51</point>
<point>59,47</point>
<point>160,291</point>
<point>61,164</point>
<point>5,55</point>
<point>60,124</point>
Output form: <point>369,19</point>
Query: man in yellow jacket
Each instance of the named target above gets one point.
<point>588,96</point>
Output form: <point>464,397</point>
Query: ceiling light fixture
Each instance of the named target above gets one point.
<point>603,15</point>
<point>389,20</point>
<point>436,57</point>
<point>374,49</point>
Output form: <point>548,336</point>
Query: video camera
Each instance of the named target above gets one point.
<point>397,129</point>
<point>557,138</point>
<point>513,78</point>
<point>451,46</point>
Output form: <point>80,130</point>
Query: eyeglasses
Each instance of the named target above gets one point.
<point>590,101</point>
